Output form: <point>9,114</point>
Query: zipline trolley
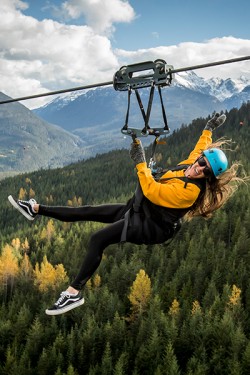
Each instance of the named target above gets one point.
<point>128,78</point>
<point>156,73</point>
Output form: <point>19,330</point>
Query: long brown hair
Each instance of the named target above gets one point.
<point>218,190</point>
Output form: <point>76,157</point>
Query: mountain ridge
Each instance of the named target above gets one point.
<point>82,124</point>
<point>29,143</point>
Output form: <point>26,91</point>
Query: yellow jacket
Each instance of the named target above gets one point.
<point>171,193</point>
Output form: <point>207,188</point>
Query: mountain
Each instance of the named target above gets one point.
<point>237,99</point>
<point>28,143</point>
<point>97,115</point>
<point>82,124</point>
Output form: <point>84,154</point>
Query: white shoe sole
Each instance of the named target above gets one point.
<point>14,204</point>
<point>65,309</point>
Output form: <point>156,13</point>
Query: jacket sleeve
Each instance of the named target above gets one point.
<point>173,194</point>
<point>204,141</point>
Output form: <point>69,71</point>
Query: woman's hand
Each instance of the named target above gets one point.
<point>136,152</point>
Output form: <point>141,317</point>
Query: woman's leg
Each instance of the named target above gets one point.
<point>106,213</point>
<point>72,298</point>
<point>98,242</point>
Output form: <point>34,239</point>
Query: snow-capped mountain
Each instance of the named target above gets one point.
<point>102,111</point>
<point>90,121</point>
<point>221,89</point>
<point>97,115</point>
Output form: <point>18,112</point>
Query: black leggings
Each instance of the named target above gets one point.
<point>111,234</point>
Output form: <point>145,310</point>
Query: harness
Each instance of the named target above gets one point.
<point>142,209</point>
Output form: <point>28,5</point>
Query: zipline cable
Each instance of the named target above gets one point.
<point>209,64</point>
<point>111,82</point>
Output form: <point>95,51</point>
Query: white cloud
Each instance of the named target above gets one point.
<point>155,35</point>
<point>41,56</point>
<point>189,54</point>
<point>47,55</point>
<point>99,14</point>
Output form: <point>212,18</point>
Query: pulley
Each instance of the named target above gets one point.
<point>154,72</point>
<point>128,78</point>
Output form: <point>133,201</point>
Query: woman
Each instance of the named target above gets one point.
<point>197,187</point>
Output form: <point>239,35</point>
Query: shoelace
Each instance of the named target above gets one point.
<point>62,296</point>
<point>31,202</point>
<point>19,200</point>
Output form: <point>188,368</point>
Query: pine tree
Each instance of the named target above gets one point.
<point>170,365</point>
<point>121,365</point>
<point>107,367</point>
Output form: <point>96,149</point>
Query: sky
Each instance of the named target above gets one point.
<point>49,45</point>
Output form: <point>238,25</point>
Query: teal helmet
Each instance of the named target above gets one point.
<point>217,159</point>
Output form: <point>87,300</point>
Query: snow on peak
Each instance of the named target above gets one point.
<point>217,87</point>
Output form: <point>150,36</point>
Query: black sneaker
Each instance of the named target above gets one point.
<point>65,303</point>
<point>25,207</point>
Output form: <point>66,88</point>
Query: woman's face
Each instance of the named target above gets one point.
<point>200,169</point>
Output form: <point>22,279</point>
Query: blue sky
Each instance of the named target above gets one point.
<point>162,22</point>
<point>173,22</point>
<point>48,45</point>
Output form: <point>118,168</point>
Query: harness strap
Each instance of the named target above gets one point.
<point>125,226</point>
<point>163,110</point>
<point>125,127</point>
<point>146,115</point>
<point>187,180</point>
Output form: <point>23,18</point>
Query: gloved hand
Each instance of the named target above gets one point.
<point>215,122</point>
<point>136,152</point>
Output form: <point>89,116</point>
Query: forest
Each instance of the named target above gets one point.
<point>179,308</point>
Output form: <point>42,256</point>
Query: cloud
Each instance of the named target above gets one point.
<point>48,55</point>
<point>190,54</point>
<point>100,15</point>
<point>155,34</point>
<point>41,56</point>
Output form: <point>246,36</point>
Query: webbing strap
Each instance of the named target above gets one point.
<point>187,180</point>
<point>163,110</point>
<point>146,115</point>
<point>125,127</point>
<point>125,227</point>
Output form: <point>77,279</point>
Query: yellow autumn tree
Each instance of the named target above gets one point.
<point>97,281</point>
<point>75,201</point>
<point>235,298</point>
<point>25,268</point>
<point>31,193</point>
<point>16,243</point>
<point>25,245</point>
<point>49,199</point>
<point>140,293</point>
<point>22,194</point>
<point>174,309</point>
<point>88,284</point>
<point>196,308</point>
<point>49,231</point>
<point>28,181</point>
<point>8,266</point>
<point>49,277</point>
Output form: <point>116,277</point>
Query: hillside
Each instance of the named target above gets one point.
<point>196,318</point>
<point>82,124</point>
<point>28,143</point>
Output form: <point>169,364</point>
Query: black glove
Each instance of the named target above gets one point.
<point>136,152</point>
<point>215,122</point>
